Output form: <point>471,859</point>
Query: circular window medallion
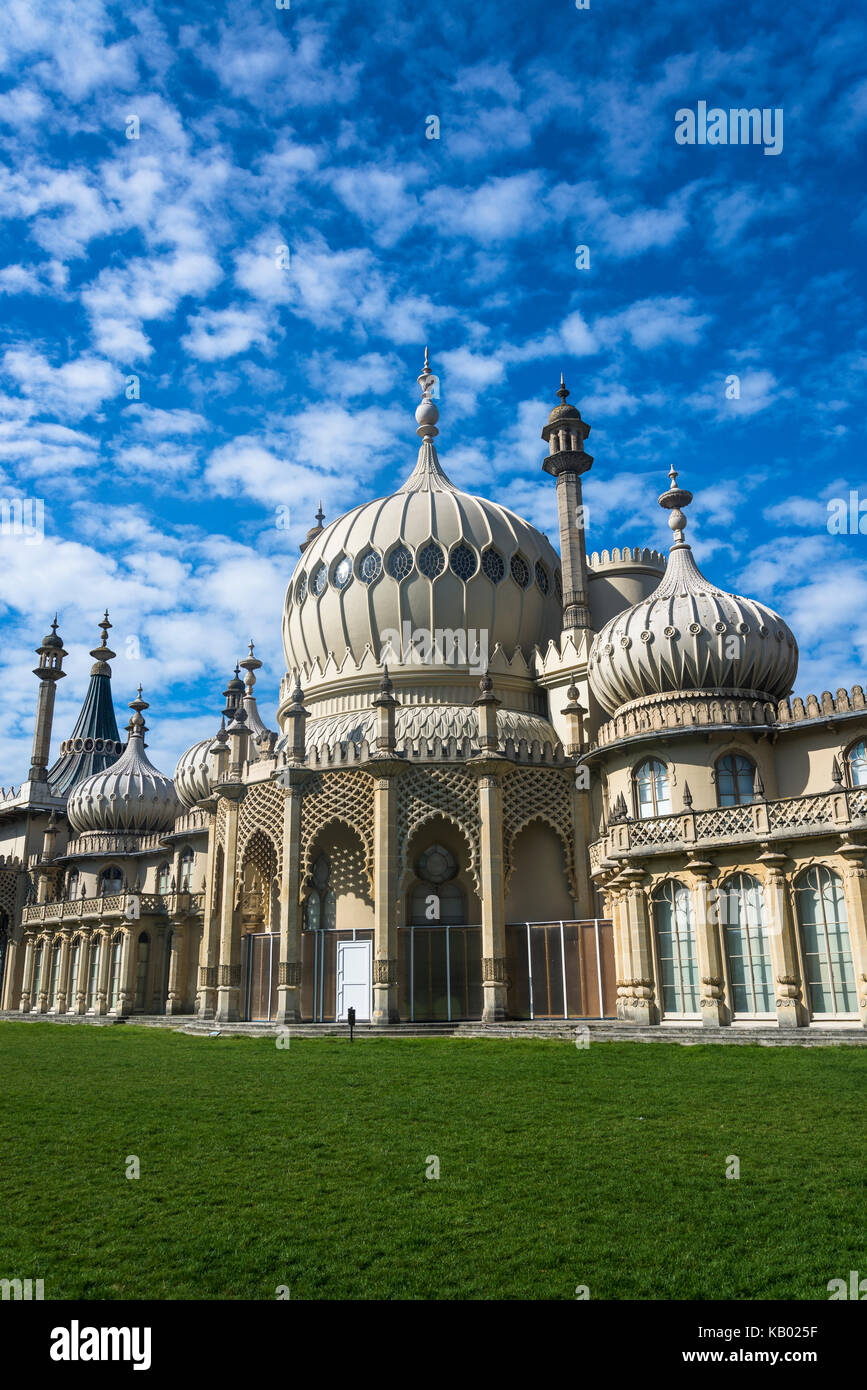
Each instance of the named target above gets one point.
<point>430,560</point>
<point>343,573</point>
<point>370,567</point>
<point>399,562</point>
<point>669,631</point>
<point>317,580</point>
<point>695,629</point>
<point>301,589</point>
<point>520,571</point>
<point>493,565</point>
<point>719,627</point>
<point>463,562</point>
<point>743,628</point>
<point>542,577</point>
<point>626,642</point>
<point>647,636</point>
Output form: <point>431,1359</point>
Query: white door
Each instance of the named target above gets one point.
<point>353,979</point>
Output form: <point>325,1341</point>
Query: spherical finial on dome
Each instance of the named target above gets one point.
<point>427,413</point>
<point>674,500</point>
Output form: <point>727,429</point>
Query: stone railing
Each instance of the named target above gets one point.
<point>114,907</point>
<point>760,820</point>
<point>190,823</point>
<point>110,842</point>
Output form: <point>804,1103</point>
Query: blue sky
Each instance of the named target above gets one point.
<point>264,386</point>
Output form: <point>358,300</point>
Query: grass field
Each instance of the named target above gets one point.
<point>306,1166</point>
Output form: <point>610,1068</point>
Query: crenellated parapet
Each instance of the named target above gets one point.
<point>822,706</point>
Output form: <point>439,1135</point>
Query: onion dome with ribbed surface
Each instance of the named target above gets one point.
<point>130,796</point>
<point>429,555</point>
<point>689,635</point>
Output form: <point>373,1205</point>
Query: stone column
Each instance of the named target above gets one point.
<point>385,894</point>
<point>289,968</point>
<point>855,890</point>
<point>229,978</point>
<point>26,1002</point>
<point>63,976</point>
<point>636,1001</point>
<point>7,994</point>
<point>174,992</point>
<point>492,891</point>
<point>79,1003</point>
<point>128,967</point>
<point>780,924</point>
<point>106,950</point>
<point>41,1002</point>
<point>714,1011</point>
<point>209,946</point>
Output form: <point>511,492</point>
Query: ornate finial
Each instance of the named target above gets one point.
<point>385,684</point>
<point>298,693</point>
<point>54,625</point>
<point>427,413</point>
<point>486,684</point>
<point>139,703</point>
<point>674,500</point>
<point>250,664</point>
<point>562,393</point>
<point>320,515</point>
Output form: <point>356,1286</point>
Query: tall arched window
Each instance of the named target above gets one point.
<point>114,985</point>
<point>164,878</point>
<point>735,780</point>
<point>141,971</point>
<point>651,789</point>
<point>37,976</point>
<point>93,972</point>
<point>74,968</point>
<point>856,760</point>
<point>55,975</point>
<point>676,950</point>
<point>110,881</point>
<point>748,951</point>
<point>73,884</point>
<point>185,872</point>
<point>320,909</point>
<point>827,947</point>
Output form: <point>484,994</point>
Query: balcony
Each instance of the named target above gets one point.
<point>791,818</point>
<point>112,909</point>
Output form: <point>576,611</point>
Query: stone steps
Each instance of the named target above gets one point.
<point>597,1030</point>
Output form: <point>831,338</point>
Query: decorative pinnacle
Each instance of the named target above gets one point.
<point>674,500</point>
<point>136,725</point>
<point>562,393</point>
<point>427,413</point>
<point>54,625</point>
<point>250,664</point>
<point>320,515</point>
<point>103,652</point>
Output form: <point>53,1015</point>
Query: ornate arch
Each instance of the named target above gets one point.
<point>427,794</point>
<point>262,809</point>
<point>538,794</point>
<point>344,798</point>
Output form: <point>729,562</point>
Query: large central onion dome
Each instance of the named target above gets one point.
<point>131,795</point>
<point>689,635</point>
<point>428,557</point>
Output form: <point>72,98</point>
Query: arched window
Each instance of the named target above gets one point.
<point>742,912</point>
<point>651,789</point>
<point>110,881</point>
<point>74,967</point>
<point>141,971</point>
<point>320,909</point>
<point>827,947</point>
<point>93,972</point>
<point>676,949</point>
<point>72,884</point>
<point>55,975</point>
<point>856,760</point>
<point>735,780</point>
<point>185,872</point>
<point>436,899</point>
<point>37,976</point>
<point>164,878</point>
<point>114,985</point>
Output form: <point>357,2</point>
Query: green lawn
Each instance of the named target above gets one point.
<point>306,1167</point>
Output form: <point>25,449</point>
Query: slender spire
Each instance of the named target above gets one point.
<point>427,413</point>
<point>137,727</point>
<point>94,743</point>
<point>314,530</point>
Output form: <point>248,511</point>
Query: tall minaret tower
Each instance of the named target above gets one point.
<point>49,672</point>
<point>564,434</point>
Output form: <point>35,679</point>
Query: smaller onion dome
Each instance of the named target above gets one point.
<point>51,639</point>
<point>129,796</point>
<point>689,636</point>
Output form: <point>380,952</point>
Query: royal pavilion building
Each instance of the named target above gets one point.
<point>504,783</point>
